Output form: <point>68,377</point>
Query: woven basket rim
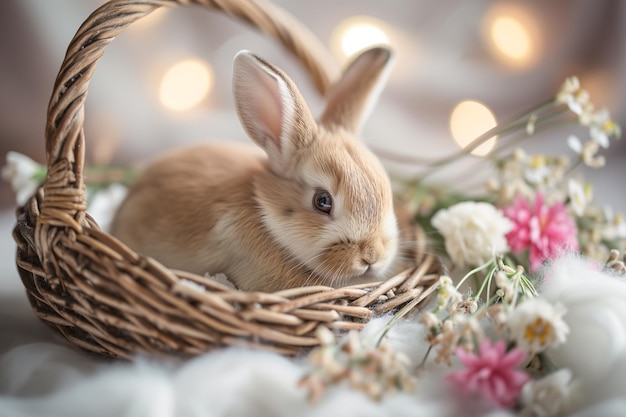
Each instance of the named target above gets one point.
<point>106,299</point>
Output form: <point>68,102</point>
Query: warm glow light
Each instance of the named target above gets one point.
<point>185,85</point>
<point>511,38</point>
<point>512,34</point>
<point>357,33</point>
<point>470,119</point>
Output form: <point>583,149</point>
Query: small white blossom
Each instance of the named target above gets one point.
<point>470,331</point>
<point>536,170</point>
<point>576,99</point>
<point>585,117</point>
<point>498,314</point>
<point>504,283</point>
<point>587,152</point>
<point>21,172</point>
<point>569,88</point>
<point>620,227</point>
<point>579,102</point>
<point>597,130</point>
<point>473,232</point>
<point>575,144</point>
<point>602,127</point>
<point>549,396</point>
<point>468,306</point>
<point>578,197</point>
<point>536,325</point>
<point>447,294</point>
<point>375,370</point>
<point>447,341</point>
<point>598,136</point>
<point>614,225</point>
<point>530,126</point>
<point>430,320</point>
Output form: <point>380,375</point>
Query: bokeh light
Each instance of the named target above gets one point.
<point>512,35</point>
<point>357,33</point>
<point>185,85</point>
<point>511,38</point>
<point>470,119</point>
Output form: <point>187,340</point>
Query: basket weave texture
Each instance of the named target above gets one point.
<point>105,298</point>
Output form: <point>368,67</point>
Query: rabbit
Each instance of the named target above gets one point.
<point>310,205</point>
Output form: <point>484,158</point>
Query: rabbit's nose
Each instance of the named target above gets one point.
<point>371,252</point>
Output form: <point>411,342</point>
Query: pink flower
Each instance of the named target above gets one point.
<point>546,230</point>
<point>492,372</point>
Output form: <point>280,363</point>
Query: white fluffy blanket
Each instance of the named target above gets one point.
<point>51,379</point>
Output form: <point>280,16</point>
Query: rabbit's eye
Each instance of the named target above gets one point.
<point>323,201</point>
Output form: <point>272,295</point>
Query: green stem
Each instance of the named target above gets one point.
<point>423,362</point>
<point>540,126</point>
<point>528,286</point>
<point>109,174</point>
<point>574,165</point>
<point>502,128</point>
<point>489,284</point>
<point>473,271</point>
<point>487,279</point>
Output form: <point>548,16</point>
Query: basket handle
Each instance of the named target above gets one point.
<point>64,202</point>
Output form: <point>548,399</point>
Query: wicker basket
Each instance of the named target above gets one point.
<point>106,299</point>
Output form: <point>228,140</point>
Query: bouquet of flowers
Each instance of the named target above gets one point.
<point>494,319</point>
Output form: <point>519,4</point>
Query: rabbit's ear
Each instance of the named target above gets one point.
<point>271,109</point>
<point>352,98</point>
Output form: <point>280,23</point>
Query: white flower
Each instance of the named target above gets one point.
<point>575,97</point>
<point>536,325</point>
<point>536,170</point>
<point>614,226</point>
<point>549,396</point>
<point>503,282</point>
<point>599,136</point>
<point>574,143</point>
<point>587,152</point>
<point>473,232</point>
<point>599,133</point>
<point>430,320</point>
<point>602,127</point>
<point>567,90</point>
<point>447,294</point>
<point>21,172</point>
<point>620,226</point>
<point>578,197</point>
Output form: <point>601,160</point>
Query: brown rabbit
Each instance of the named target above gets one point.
<point>315,208</point>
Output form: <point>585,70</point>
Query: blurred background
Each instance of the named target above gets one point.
<point>166,81</point>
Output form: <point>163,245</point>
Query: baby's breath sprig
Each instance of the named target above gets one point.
<point>455,320</point>
<point>376,370</point>
<point>571,105</point>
